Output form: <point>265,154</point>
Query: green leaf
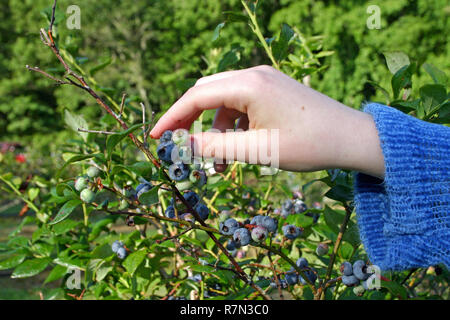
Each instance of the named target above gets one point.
<point>101,66</point>
<point>75,122</point>
<point>33,193</point>
<point>216,32</point>
<point>114,139</point>
<point>396,289</point>
<point>65,210</point>
<point>134,260</point>
<point>396,60</point>
<point>342,193</point>
<point>77,158</point>
<point>281,46</point>
<point>12,262</point>
<point>232,16</point>
<point>229,59</point>
<point>432,95</point>
<point>65,226</point>
<point>57,273</point>
<point>439,76</point>
<point>402,79</point>
<point>69,262</point>
<point>150,197</point>
<point>30,268</point>
<point>142,169</point>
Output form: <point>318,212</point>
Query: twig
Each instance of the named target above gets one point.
<point>96,131</point>
<point>36,69</point>
<point>52,21</point>
<point>143,124</point>
<point>122,104</point>
<point>174,236</point>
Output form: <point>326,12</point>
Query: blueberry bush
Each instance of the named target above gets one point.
<point>127,217</point>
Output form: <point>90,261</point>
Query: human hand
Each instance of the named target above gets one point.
<point>315,132</point>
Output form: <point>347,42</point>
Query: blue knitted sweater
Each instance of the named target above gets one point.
<point>404,220</point>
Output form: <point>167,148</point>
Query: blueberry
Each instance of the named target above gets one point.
<point>228,227</point>
<point>359,270</point>
<point>242,236</point>
<point>170,212</point>
<point>259,234</point>
<point>322,249</point>
<point>231,245</point>
<point>121,253</point>
<point>116,246</point>
<point>198,177</point>
<point>164,151</point>
<point>350,281</point>
<point>202,210</point>
<point>269,223</point>
<point>93,172</point>
<point>299,206</point>
<point>313,215</point>
<point>87,195</point>
<point>224,215</point>
<point>81,183</point>
<point>346,268</point>
<point>302,263</point>
<point>166,137</point>
<point>143,188</point>
<point>180,136</point>
<point>257,220</point>
<point>192,198</point>
<point>291,278</point>
<point>358,290</point>
<point>291,232</point>
<point>184,154</point>
<point>287,205</point>
<point>178,171</point>
<point>369,284</point>
<point>187,217</point>
<point>312,277</point>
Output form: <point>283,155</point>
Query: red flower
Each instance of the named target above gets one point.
<point>20,158</point>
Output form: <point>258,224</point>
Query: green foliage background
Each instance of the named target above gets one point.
<point>157,47</point>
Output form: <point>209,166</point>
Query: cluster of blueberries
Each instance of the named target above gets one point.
<point>193,199</point>
<point>297,206</point>
<point>174,150</point>
<point>291,277</point>
<point>357,276</point>
<point>119,248</point>
<point>82,184</point>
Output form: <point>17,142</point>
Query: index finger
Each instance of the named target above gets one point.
<point>227,92</point>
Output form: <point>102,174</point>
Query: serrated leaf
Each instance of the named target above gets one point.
<point>65,211</point>
<point>30,268</point>
<point>134,260</point>
<point>396,60</point>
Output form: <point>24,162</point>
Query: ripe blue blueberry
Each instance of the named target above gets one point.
<point>198,177</point>
<point>121,253</point>
<point>291,278</point>
<point>259,234</point>
<point>178,171</point>
<point>242,236</point>
<point>166,137</point>
<point>291,232</point>
<point>170,212</point>
<point>359,270</point>
<point>287,206</point>
<point>81,183</point>
<point>299,206</point>
<point>116,246</point>
<point>231,245</point>
<point>322,249</point>
<point>143,188</point>
<point>350,281</point>
<point>302,263</point>
<point>164,151</point>
<point>257,220</point>
<point>202,210</point>
<point>269,223</point>
<point>346,268</point>
<point>192,198</point>
<point>228,227</point>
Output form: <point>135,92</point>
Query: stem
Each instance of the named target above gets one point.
<point>257,31</point>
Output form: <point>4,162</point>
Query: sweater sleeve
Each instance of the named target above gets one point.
<point>404,220</point>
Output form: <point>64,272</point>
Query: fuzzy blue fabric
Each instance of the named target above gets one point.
<point>404,220</point>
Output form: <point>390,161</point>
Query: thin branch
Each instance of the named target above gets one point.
<point>36,69</point>
<point>96,131</point>
<point>122,104</point>
<point>52,21</point>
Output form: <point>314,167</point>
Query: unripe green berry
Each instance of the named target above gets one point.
<point>322,249</point>
<point>93,172</point>
<point>180,136</point>
<point>123,204</point>
<point>81,183</point>
<point>87,195</point>
<point>358,290</point>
